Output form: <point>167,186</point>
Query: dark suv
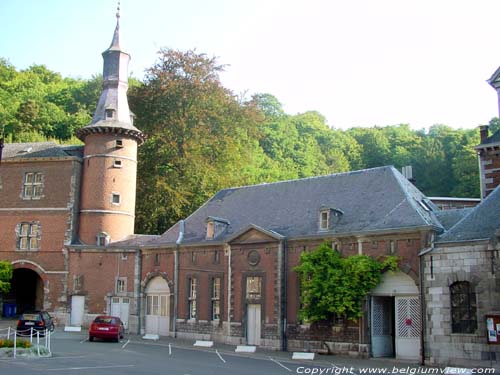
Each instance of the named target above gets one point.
<point>38,320</point>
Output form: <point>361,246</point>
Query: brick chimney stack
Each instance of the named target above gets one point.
<point>484,132</point>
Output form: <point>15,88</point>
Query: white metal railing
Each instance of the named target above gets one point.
<point>33,334</point>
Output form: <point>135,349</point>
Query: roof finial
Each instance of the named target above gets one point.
<point>118,10</point>
<point>116,37</point>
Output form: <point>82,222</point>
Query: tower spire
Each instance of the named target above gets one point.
<point>116,36</point>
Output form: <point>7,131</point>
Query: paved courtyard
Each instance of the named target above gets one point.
<point>74,354</point>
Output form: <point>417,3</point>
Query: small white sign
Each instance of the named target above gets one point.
<point>72,329</point>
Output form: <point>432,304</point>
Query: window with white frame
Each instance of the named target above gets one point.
<point>192,298</point>
<point>32,186</point>
<point>103,239</point>
<point>324,220</point>
<point>115,198</point>
<point>216,289</point>
<point>117,163</point>
<point>28,236</point>
<point>121,285</point>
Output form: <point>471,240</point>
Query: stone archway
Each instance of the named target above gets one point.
<point>395,317</point>
<point>27,290</point>
<point>157,306</point>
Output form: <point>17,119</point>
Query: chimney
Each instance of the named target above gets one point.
<point>408,173</point>
<point>484,132</point>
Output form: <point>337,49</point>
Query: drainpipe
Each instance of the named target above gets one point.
<point>422,298</point>
<point>227,248</point>
<point>138,291</point>
<point>284,299</point>
<point>176,274</point>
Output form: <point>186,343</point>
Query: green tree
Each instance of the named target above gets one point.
<point>201,138</point>
<point>6,272</point>
<point>331,285</point>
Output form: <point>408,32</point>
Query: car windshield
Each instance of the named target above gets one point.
<point>105,320</point>
<point>35,317</point>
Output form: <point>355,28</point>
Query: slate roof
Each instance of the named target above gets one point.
<point>377,199</point>
<point>494,138</point>
<point>480,223</point>
<point>39,150</point>
<point>448,218</point>
<point>135,240</point>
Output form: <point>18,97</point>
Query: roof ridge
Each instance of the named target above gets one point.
<point>358,171</point>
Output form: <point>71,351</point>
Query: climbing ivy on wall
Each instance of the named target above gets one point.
<point>331,285</point>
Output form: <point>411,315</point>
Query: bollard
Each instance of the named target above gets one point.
<point>38,342</point>
<point>8,333</point>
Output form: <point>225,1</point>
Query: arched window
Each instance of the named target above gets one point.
<point>463,308</point>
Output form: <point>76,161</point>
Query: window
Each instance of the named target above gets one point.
<point>103,239</point>
<point>157,259</point>
<point>216,298</point>
<point>155,304</point>
<point>216,257</point>
<point>28,236</point>
<point>254,287</point>
<point>117,163</point>
<point>324,218</point>
<point>119,143</point>
<point>115,198</point>
<point>463,308</point>
<point>210,230</point>
<point>32,188</point>
<point>193,257</point>
<point>110,113</point>
<point>192,298</point>
<point>121,285</point>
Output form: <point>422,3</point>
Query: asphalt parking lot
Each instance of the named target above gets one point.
<point>74,354</point>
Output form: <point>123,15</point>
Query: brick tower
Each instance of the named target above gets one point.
<point>110,156</point>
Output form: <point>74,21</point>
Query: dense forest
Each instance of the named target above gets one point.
<point>202,137</point>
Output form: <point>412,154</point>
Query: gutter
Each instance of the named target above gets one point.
<point>176,275</point>
<point>284,299</point>
<point>138,290</point>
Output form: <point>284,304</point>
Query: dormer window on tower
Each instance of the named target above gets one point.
<point>103,239</point>
<point>110,113</point>
<point>215,226</point>
<point>119,143</point>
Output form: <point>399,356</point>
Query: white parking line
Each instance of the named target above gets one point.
<point>124,345</point>
<point>222,359</point>
<point>169,349</point>
<point>86,368</point>
<point>87,339</point>
<point>275,361</point>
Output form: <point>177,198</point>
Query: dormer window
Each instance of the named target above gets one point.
<point>324,220</point>
<point>328,217</point>
<point>215,226</point>
<point>110,113</point>
<point>132,117</point>
<point>210,230</point>
<point>103,239</point>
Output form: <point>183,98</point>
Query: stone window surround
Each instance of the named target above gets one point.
<point>28,235</point>
<point>190,300</point>
<point>212,277</point>
<point>121,285</point>
<point>32,184</point>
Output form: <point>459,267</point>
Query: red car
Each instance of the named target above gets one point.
<point>107,327</point>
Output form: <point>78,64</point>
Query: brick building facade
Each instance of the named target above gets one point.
<point>224,273</point>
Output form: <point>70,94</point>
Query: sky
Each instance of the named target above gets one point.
<point>357,62</point>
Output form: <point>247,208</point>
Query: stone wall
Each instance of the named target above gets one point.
<point>477,264</point>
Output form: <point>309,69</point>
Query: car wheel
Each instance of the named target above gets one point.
<point>91,338</point>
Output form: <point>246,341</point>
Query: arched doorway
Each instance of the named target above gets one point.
<point>395,317</point>
<point>157,307</point>
<point>26,290</point>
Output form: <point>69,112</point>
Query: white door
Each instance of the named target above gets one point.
<point>408,327</point>
<point>382,327</point>
<point>120,307</point>
<point>77,307</point>
<point>253,324</point>
<point>158,307</point>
